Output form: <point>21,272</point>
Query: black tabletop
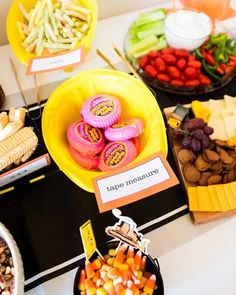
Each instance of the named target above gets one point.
<point>44,217</point>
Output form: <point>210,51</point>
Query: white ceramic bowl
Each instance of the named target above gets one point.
<point>187,29</point>
<point>17,261</point>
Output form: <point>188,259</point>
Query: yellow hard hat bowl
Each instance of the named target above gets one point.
<point>65,103</point>
<point>14,15</point>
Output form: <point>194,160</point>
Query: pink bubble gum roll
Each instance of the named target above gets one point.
<point>86,139</point>
<point>88,162</point>
<point>117,154</point>
<point>101,110</point>
<point>124,129</point>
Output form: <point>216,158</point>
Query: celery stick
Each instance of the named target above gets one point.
<point>157,29</point>
<point>158,46</point>
<point>158,26</point>
<point>143,44</point>
<point>151,16</point>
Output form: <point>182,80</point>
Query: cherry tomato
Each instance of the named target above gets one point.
<point>163,77</point>
<point>167,50</point>
<point>143,61</point>
<point>152,54</point>
<point>169,59</point>
<point>160,65</point>
<point>181,53</point>
<point>181,64</point>
<point>190,73</point>
<point>177,82</point>
<point>195,64</point>
<point>150,70</point>
<point>204,80</point>
<point>192,83</point>
<point>174,72</point>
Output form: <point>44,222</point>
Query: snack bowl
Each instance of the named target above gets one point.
<point>64,106</point>
<point>18,287</point>
<point>15,40</point>
<point>187,28</point>
<point>152,266</point>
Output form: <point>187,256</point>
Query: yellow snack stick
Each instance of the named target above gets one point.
<point>20,30</point>
<point>23,11</point>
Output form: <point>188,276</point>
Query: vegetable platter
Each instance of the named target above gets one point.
<point>165,63</point>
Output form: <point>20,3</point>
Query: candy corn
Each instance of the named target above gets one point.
<point>96,263</point>
<point>123,273</point>
<point>133,288</point>
<point>120,255</point>
<point>137,260</point>
<point>150,285</point>
<point>130,252</point>
<point>109,287</point>
<point>89,269</point>
<point>120,289</point>
<point>82,280</point>
<point>101,291</point>
<point>90,287</point>
<point>143,263</point>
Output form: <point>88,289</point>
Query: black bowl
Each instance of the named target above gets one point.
<point>152,266</point>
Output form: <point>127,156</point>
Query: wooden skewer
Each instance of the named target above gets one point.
<point>22,92</point>
<point>106,59</point>
<point>124,59</point>
<point>18,82</point>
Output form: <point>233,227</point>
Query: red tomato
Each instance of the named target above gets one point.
<point>192,83</point>
<point>143,61</point>
<point>150,70</point>
<point>181,64</point>
<point>190,73</point>
<point>191,57</point>
<point>181,53</point>
<point>204,80</point>
<point>174,72</point>
<point>163,77</point>
<point>177,82</point>
<point>195,63</point>
<point>169,59</point>
<point>167,50</point>
<point>160,65</point>
<point>152,54</point>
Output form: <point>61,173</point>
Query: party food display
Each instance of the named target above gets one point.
<point>205,147</point>
<point>53,26</point>
<point>192,58</point>
<point>17,143</point>
<point>6,269</point>
<point>102,140</point>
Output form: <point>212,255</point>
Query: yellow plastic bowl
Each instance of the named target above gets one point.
<point>64,105</point>
<point>14,15</point>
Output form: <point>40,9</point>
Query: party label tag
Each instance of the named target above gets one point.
<point>88,239</point>
<point>56,62</point>
<point>135,182</point>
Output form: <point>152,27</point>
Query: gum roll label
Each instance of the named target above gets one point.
<point>115,154</point>
<point>102,106</point>
<point>89,133</point>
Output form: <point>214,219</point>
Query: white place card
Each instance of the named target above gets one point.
<point>56,62</point>
<point>130,184</point>
<point>24,169</point>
